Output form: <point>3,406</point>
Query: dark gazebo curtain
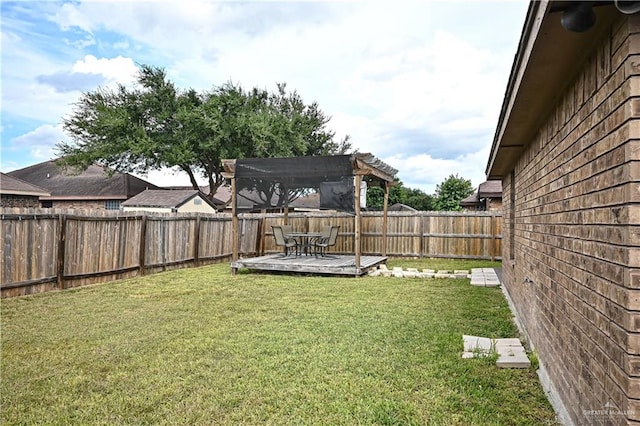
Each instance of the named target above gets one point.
<point>276,182</point>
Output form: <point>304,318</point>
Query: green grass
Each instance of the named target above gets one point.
<point>200,347</point>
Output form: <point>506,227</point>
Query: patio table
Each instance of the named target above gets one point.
<point>304,240</point>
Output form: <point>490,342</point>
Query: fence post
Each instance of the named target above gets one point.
<point>421,228</point>
<point>196,242</point>
<point>493,236</point>
<point>143,240</point>
<point>62,237</point>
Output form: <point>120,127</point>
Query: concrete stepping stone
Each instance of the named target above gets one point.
<point>511,353</point>
<point>484,277</point>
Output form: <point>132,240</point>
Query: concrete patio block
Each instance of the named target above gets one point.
<point>439,275</point>
<point>428,274</point>
<point>460,271</point>
<point>375,273</point>
<point>475,343</point>
<point>511,351</point>
<point>517,361</point>
<point>477,282</point>
<point>410,274</point>
<point>460,276</point>
<point>385,273</point>
<point>397,274</point>
<point>512,341</point>
<point>397,269</point>
<point>429,271</point>
<point>412,270</point>
<point>383,267</point>
<point>444,272</point>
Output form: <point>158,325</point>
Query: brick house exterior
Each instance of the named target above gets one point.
<point>567,148</point>
<point>93,189</point>
<point>18,193</point>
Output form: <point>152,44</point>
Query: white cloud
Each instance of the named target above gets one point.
<point>40,142</point>
<point>119,69</point>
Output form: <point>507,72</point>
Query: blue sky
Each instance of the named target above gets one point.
<point>418,84</point>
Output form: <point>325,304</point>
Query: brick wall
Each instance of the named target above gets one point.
<point>572,205</point>
<point>8,200</point>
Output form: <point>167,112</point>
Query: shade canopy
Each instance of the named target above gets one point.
<point>276,182</point>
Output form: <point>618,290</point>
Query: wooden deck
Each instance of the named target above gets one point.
<point>329,264</point>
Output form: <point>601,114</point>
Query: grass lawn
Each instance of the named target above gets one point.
<point>201,347</point>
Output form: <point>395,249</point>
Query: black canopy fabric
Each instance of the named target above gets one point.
<point>276,182</point>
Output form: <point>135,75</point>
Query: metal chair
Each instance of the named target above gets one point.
<point>322,243</point>
<point>282,240</point>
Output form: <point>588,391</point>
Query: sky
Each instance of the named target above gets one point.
<point>419,84</point>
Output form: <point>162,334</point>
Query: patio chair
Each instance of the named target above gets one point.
<point>282,240</point>
<point>321,244</point>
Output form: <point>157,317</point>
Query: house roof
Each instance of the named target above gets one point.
<point>10,185</point>
<point>92,184</point>
<point>490,189</point>
<point>165,198</point>
<point>548,57</point>
<point>471,200</point>
<point>399,207</point>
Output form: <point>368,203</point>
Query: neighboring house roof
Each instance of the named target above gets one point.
<point>548,57</point>
<point>165,198</point>
<point>471,200</point>
<point>10,185</point>
<point>399,207</point>
<point>203,189</point>
<point>92,184</point>
<point>490,189</point>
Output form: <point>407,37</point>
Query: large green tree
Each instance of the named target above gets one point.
<point>156,125</point>
<point>451,191</point>
<point>398,193</point>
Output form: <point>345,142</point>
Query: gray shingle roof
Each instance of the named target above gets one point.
<point>490,189</point>
<point>15,186</point>
<point>93,183</point>
<point>470,200</point>
<point>164,198</point>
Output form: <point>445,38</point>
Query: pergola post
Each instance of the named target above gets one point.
<point>234,222</point>
<point>358,224</point>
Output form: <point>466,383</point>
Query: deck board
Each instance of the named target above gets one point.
<point>330,264</point>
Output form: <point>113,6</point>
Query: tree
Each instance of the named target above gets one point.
<point>155,125</point>
<point>419,200</point>
<point>398,193</point>
<point>451,191</point>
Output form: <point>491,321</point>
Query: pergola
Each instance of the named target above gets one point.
<point>337,178</point>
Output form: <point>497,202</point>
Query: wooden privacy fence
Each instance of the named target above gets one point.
<point>48,249</point>
<point>473,235</point>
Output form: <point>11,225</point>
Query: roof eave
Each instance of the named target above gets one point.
<point>547,60</point>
